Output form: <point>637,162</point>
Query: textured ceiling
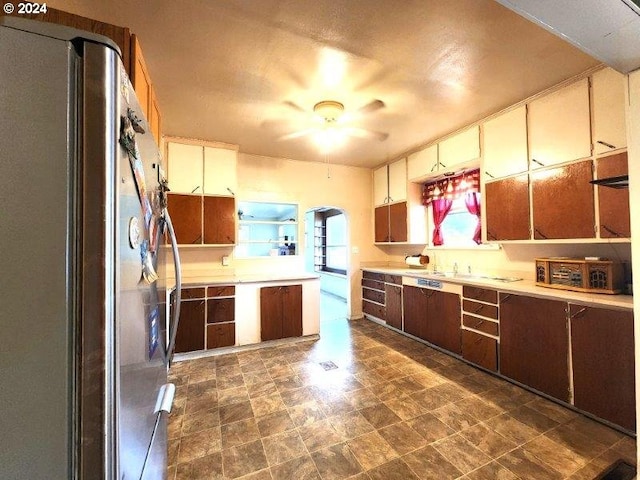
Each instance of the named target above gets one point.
<point>228,70</point>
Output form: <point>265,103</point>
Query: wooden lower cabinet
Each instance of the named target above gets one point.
<point>443,321</point>
<point>221,310</point>
<point>480,349</point>
<point>534,343</point>
<point>602,350</point>
<point>415,302</point>
<point>393,305</point>
<point>280,312</point>
<point>507,209</point>
<point>221,335</point>
<point>219,220</point>
<point>186,217</point>
<point>190,335</point>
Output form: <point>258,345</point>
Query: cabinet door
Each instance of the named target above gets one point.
<point>398,222</point>
<point>507,209</point>
<point>398,180</point>
<point>460,148</point>
<point>505,144</point>
<point>380,186</point>
<point>480,349</point>
<point>190,335</point>
<point>220,171</point>
<point>219,220</point>
<point>184,167</point>
<point>414,301</point>
<point>155,119</point>
<point>186,216</point>
<point>560,126</point>
<point>422,164</point>
<point>140,78</point>
<point>291,311</point>
<point>602,350</point>
<point>563,205</point>
<point>393,303</point>
<point>270,313</point>
<point>381,224</point>
<point>609,127</point>
<point>613,203</point>
<point>223,335</point>
<point>443,321</point>
<point>221,310</point>
<point>534,343</point>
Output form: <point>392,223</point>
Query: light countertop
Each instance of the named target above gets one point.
<point>527,287</point>
<point>202,280</point>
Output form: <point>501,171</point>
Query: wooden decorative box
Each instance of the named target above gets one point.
<point>579,274</point>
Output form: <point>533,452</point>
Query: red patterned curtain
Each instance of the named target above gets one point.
<point>441,208</point>
<point>472,201</point>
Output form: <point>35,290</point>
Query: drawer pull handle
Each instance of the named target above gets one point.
<point>503,299</point>
<point>478,309</point>
<point>608,145</point>
<point>479,339</point>
<point>478,324</point>
<point>579,313</point>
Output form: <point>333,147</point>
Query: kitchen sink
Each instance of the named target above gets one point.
<point>464,276</point>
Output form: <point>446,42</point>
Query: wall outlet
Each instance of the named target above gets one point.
<point>225,260</point>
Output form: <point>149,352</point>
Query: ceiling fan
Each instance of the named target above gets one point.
<point>333,121</point>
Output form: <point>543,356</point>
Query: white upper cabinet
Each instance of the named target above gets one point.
<point>461,148</point>
<point>422,164</point>
<point>193,168</point>
<point>505,144</point>
<point>184,167</point>
<point>390,183</point>
<point>559,126</point>
<point>609,127</point>
<point>398,181</point>
<point>220,171</point>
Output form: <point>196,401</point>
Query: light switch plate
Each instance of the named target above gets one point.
<point>225,260</point>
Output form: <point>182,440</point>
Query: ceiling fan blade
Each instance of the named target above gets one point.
<point>294,105</point>
<point>372,106</point>
<point>298,134</point>
<point>368,134</point>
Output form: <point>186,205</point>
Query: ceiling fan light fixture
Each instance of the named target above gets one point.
<point>329,110</point>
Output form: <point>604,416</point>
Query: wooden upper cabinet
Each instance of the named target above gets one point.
<point>422,164</point>
<point>141,81</point>
<point>219,220</point>
<point>507,209</point>
<point>220,176</point>
<point>381,223</point>
<point>460,148</point>
<point>186,217</point>
<point>563,202</point>
<point>613,203</point>
<point>155,119</point>
<point>609,127</point>
<point>185,167</point>
<point>398,222</point>
<point>560,126</point>
<point>505,144</point>
<point>398,181</point>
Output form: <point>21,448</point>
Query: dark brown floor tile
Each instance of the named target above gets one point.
<point>591,428</point>
<point>235,412</point>
<point>283,447</point>
<point>388,372</point>
<point>253,367</point>
<point>461,453</point>
<point>171,472</point>
<point>306,413</point>
<point>408,385</point>
<point>288,383</point>
<point>336,462</point>
<point>199,445</point>
<point>491,471</point>
<point>262,387</point>
<point>319,435</point>
<point>194,422</point>
<point>238,433</point>
<point>510,428</point>
<point>230,382</point>
<point>430,427</point>
<point>203,468</point>
<point>369,378</point>
<point>248,356</point>
<point>402,438</point>
<point>587,447</point>
<point>301,468</point>
<point>174,426</point>
<point>477,408</point>
<point>297,396</point>
<point>394,470</point>
<point>501,399</point>
<point>227,372</point>
<point>555,455</point>
<point>173,448</point>
<point>533,418</point>
<point>427,378</point>
<point>428,464</point>
<point>273,423</point>
<point>405,408</point>
<point>280,370</point>
<point>380,415</point>
<point>626,447</point>
<point>453,417</point>
<point>350,425</point>
<point>259,475</point>
<point>202,375</point>
<point>473,385</point>
<point>207,402</point>
<point>430,399</point>
<point>552,410</point>
<point>266,404</point>
<point>233,395</point>
<point>243,459</point>
<point>362,398</point>
<point>202,389</point>
<point>527,465</point>
<point>487,440</point>
<point>371,450</point>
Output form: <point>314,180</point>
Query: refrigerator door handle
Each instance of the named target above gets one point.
<point>165,398</point>
<point>173,326</point>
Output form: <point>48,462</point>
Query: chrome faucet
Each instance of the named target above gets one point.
<point>455,268</point>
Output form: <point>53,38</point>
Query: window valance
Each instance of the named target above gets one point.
<point>451,187</point>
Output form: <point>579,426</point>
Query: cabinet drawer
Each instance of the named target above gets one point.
<point>373,295</point>
<point>480,350</point>
<point>221,310</point>
<point>482,294</point>
<point>223,335</point>
<point>482,309</point>
<point>373,276</point>
<point>188,293</point>
<point>373,284</point>
<point>221,291</point>
<point>395,279</point>
<point>373,309</point>
<point>486,326</point>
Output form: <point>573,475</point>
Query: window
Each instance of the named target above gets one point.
<point>330,237</point>
<point>458,227</point>
<point>267,229</point>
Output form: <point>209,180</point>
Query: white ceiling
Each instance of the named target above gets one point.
<point>227,70</point>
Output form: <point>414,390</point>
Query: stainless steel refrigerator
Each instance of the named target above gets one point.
<point>84,345</point>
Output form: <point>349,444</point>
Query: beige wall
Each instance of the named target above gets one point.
<point>310,185</point>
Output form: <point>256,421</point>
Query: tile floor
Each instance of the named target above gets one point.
<point>366,403</point>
